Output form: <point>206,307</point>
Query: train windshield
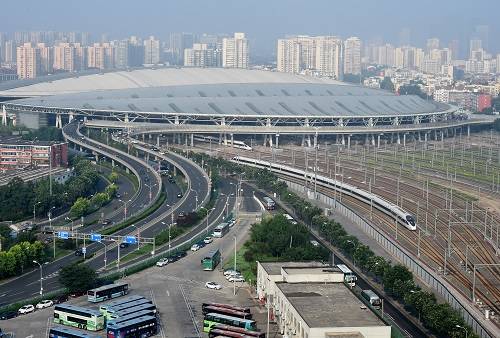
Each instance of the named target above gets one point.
<point>410,219</point>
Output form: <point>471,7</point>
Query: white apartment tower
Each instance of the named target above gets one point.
<point>200,56</point>
<point>235,51</point>
<point>289,56</point>
<point>28,61</point>
<point>151,51</point>
<point>352,56</point>
<point>329,56</point>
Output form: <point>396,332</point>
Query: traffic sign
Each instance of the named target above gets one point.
<point>63,234</point>
<point>84,250</point>
<point>130,240</point>
<point>95,237</point>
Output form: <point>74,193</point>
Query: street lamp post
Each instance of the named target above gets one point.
<point>50,216</point>
<point>41,277</point>
<point>124,208</point>
<point>138,236</point>
<point>234,282</point>
<point>208,212</point>
<point>196,198</point>
<point>464,328</point>
<point>34,210</point>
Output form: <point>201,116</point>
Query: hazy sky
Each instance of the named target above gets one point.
<point>263,20</point>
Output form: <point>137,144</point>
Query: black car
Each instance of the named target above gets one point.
<point>179,195</point>
<point>61,299</point>
<point>173,258</point>
<point>180,254</point>
<point>8,315</point>
<point>79,252</point>
<point>124,245</point>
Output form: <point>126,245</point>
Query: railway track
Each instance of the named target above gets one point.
<point>483,252</point>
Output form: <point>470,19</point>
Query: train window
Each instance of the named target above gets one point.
<point>410,219</point>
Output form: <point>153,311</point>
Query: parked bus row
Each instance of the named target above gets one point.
<point>225,320</point>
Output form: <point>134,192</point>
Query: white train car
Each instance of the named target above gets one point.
<point>215,140</point>
<point>403,217</point>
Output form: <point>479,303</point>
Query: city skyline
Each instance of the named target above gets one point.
<point>389,21</point>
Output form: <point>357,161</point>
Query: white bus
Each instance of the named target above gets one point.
<point>349,277</point>
<point>221,229</point>
<point>269,204</point>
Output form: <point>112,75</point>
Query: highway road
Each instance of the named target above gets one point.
<point>11,292</point>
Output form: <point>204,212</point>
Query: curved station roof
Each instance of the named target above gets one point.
<point>220,92</point>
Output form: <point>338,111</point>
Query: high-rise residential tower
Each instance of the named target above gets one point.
<point>235,51</point>
<point>352,56</point>
<point>151,51</point>
<point>28,61</point>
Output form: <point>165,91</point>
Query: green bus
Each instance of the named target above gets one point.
<point>107,292</point>
<point>211,260</point>
<point>79,317</point>
<point>212,319</point>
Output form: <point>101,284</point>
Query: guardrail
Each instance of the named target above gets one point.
<point>424,272</point>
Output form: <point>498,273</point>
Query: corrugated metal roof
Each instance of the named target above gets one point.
<point>285,99</point>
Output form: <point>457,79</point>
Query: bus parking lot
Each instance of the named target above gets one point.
<point>178,289</point>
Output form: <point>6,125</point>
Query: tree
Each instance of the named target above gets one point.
<point>77,277</point>
<point>387,84</point>
<point>496,125</point>
<point>412,89</point>
<point>100,199</point>
<point>113,177</point>
<point>80,207</point>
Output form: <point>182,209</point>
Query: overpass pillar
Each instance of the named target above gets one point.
<point>265,140</point>
<point>303,141</point>
<point>373,140</point>
<point>378,141</point>
<point>143,137</point>
<point>398,141</point>
<point>225,139</point>
<point>158,140</point>
<point>270,141</point>
<point>349,141</point>
<point>112,163</point>
<point>4,116</point>
<point>425,137</point>
<point>366,139</point>
<point>343,139</point>
<point>468,131</point>
<point>232,140</point>
<point>309,141</point>
<point>71,116</point>
<point>192,140</point>
<point>58,121</point>
<point>147,156</point>
<point>404,139</point>
<point>277,140</point>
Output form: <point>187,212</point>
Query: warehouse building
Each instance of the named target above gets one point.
<point>310,300</point>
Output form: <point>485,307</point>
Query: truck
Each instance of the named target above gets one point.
<point>372,297</point>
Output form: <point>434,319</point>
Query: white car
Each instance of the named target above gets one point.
<point>44,303</point>
<point>208,240</point>
<point>230,272</point>
<point>236,278</point>
<point>162,262</point>
<point>195,247</point>
<point>26,309</point>
<point>213,285</point>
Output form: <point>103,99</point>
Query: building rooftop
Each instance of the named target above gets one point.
<point>220,92</point>
<point>274,268</point>
<point>311,270</point>
<point>16,140</point>
<point>328,305</point>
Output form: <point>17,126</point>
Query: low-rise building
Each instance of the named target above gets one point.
<point>310,300</point>
<point>16,153</point>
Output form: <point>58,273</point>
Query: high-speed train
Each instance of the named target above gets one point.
<point>403,217</point>
<point>215,140</point>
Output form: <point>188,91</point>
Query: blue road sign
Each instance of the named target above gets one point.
<point>130,240</point>
<point>95,237</point>
<point>63,234</point>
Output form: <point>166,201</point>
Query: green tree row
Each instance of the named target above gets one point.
<point>397,280</point>
<point>19,197</point>
<point>277,239</point>
<point>20,257</point>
